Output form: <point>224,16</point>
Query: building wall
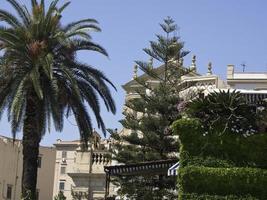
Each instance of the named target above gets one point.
<point>246,80</point>
<point>67,162</point>
<point>84,170</point>
<point>45,177</point>
<point>11,170</point>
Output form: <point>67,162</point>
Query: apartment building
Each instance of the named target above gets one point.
<point>11,170</point>
<point>80,173</point>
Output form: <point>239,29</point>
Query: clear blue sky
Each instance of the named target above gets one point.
<point>223,32</point>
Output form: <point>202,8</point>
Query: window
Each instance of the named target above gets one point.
<point>9,192</point>
<point>62,185</point>
<point>64,154</point>
<point>63,170</point>
<point>39,161</point>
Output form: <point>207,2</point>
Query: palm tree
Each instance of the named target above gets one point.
<point>42,80</point>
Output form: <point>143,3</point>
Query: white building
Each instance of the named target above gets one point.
<point>246,80</point>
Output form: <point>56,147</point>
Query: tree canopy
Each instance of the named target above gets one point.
<point>147,119</point>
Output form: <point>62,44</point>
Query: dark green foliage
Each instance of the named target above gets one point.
<point>206,162</point>
<point>156,143</point>
<point>218,164</point>
<point>214,154</point>
<point>111,198</point>
<point>39,60</point>
<point>232,148</point>
<point>42,81</point>
<point>223,112</point>
<point>79,195</point>
<point>215,197</point>
<point>60,196</point>
<point>145,187</point>
<point>224,181</point>
<point>148,118</point>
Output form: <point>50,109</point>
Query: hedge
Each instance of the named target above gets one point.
<point>214,197</point>
<point>223,181</point>
<point>241,151</point>
<point>205,162</point>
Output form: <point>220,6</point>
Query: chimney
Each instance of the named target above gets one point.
<point>230,71</point>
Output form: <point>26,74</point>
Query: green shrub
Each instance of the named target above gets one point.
<point>223,181</point>
<point>214,197</point>
<point>214,166</point>
<point>238,150</point>
<point>226,111</point>
<point>60,196</point>
<point>205,162</point>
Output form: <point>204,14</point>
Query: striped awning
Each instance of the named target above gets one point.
<point>251,96</point>
<point>255,98</point>
<point>158,167</point>
<point>172,171</point>
<point>151,167</point>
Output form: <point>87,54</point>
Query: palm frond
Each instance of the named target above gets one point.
<point>39,67</point>
<point>18,101</point>
<point>34,3</point>
<point>73,25</point>
<point>35,77</point>
<point>88,70</point>
<point>79,44</point>
<point>98,84</point>
<point>9,18</point>
<point>83,120</point>
<point>81,34</point>
<point>22,11</point>
<point>51,9</point>
<point>65,5</point>
<point>92,99</point>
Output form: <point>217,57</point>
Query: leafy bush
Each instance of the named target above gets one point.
<point>225,111</point>
<point>215,166</point>
<point>214,197</point>
<point>223,181</point>
<point>206,162</point>
<point>60,196</point>
<point>232,148</point>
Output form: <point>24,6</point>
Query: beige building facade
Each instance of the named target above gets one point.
<point>81,173</point>
<point>11,170</point>
<point>252,84</point>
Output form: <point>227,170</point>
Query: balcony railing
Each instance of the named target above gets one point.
<point>101,157</point>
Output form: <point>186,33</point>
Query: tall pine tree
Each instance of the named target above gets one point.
<point>149,117</point>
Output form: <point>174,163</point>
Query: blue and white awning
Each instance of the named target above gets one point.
<point>172,171</point>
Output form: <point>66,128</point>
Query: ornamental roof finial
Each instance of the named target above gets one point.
<point>209,69</point>
<point>193,65</point>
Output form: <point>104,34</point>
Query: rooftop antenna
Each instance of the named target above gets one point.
<point>243,64</point>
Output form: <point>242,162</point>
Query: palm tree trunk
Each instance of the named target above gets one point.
<point>30,141</point>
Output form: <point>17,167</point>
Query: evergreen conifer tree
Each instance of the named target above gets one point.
<point>149,117</point>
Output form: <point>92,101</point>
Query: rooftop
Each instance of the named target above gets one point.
<point>250,75</point>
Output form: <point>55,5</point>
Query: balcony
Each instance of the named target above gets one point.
<point>94,166</point>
